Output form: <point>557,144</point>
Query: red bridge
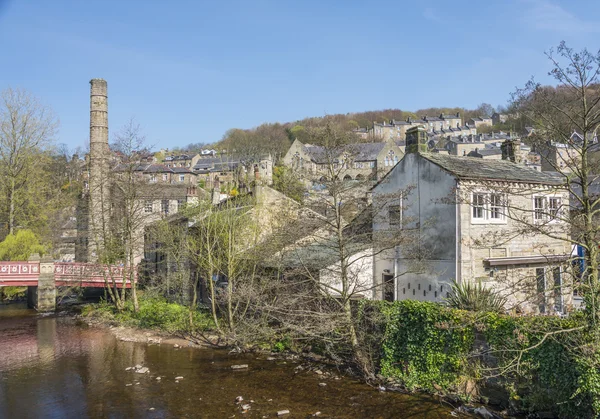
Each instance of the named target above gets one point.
<point>27,274</point>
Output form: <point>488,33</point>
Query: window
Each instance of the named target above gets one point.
<point>553,207</point>
<point>386,162</point>
<point>152,178</point>
<point>372,165</point>
<point>540,276</point>
<point>395,215</point>
<point>148,207</point>
<point>496,207</point>
<point>488,207</point>
<point>165,177</point>
<point>538,208</point>
<point>558,303</point>
<point>182,178</point>
<point>479,206</point>
<point>164,206</point>
<point>546,208</point>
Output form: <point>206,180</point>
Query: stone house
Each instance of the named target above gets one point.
<point>182,160</point>
<point>157,173</point>
<point>499,118</point>
<point>233,170</point>
<point>480,122</point>
<point>396,129</point>
<point>558,157</point>
<point>352,162</point>
<point>475,220</point>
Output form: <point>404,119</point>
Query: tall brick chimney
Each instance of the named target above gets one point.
<point>99,196</point>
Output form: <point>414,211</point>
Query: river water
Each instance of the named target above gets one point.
<point>51,367</point>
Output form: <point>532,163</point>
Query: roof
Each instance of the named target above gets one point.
<point>316,255</point>
<point>181,170</point>
<point>501,170</point>
<point>450,116</point>
<point>366,151</point>
<point>157,168</point>
<point>485,152</point>
<point>358,151</point>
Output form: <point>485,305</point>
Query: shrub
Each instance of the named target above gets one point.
<point>475,297</point>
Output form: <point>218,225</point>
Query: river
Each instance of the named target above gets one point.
<point>52,367</point>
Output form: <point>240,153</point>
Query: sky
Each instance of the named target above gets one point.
<point>188,71</point>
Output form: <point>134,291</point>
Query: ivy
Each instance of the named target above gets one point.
<point>545,363</point>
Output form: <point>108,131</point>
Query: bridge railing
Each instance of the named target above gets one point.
<point>65,274</point>
<point>89,274</point>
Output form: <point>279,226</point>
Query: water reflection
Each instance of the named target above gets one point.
<point>52,368</point>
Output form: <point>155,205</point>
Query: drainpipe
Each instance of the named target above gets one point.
<point>457,252</point>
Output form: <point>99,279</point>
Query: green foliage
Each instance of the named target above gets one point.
<point>425,344</point>
<point>285,182</point>
<point>12,293</point>
<point>282,345</point>
<point>20,246</point>
<point>172,317</point>
<point>475,297</point>
<point>545,363</point>
<point>154,313</point>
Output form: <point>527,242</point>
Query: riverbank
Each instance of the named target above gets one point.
<point>88,372</point>
<point>121,326</point>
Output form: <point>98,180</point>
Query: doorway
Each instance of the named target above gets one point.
<point>388,287</point>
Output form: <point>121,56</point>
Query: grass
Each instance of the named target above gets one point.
<point>154,313</point>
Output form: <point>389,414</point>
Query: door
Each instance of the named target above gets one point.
<point>388,287</point>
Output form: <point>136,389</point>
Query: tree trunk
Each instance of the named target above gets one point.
<point>11,207</point>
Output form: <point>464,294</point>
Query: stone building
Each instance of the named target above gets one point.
<point>475,220</point>
<point>351,162</point>
<point>499,118</point>
<point>396,129</point>
<point>230,170</point>
<point>181,160</point>
<point>478,122</point>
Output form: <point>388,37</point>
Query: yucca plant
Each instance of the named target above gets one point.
<point>475,297</point>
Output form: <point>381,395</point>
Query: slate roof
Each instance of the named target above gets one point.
<point>359,151</point>
<point>366,151</point>
<point>501,170</point>
<point>486,152</point>
<point>181,170</point>
<point>181,157</point>
<point>431,118</point>
<point>157,168</point>
<point>449,116</point>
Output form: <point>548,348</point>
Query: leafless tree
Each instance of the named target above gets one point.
<point>27,127</point>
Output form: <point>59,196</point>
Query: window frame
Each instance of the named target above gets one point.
<point>548,215</point>
<point>164,206</point>
<point>148,207</point>
<point>486,205</point>
<point>395,215</point>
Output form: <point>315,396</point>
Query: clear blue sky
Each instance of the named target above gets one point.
<point>190,70</point>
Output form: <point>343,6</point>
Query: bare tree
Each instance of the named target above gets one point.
<point>27,127</point>
<point>566,119</point>
<point>327,255</point>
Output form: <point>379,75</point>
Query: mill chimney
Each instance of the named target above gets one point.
<point>99,205</point>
